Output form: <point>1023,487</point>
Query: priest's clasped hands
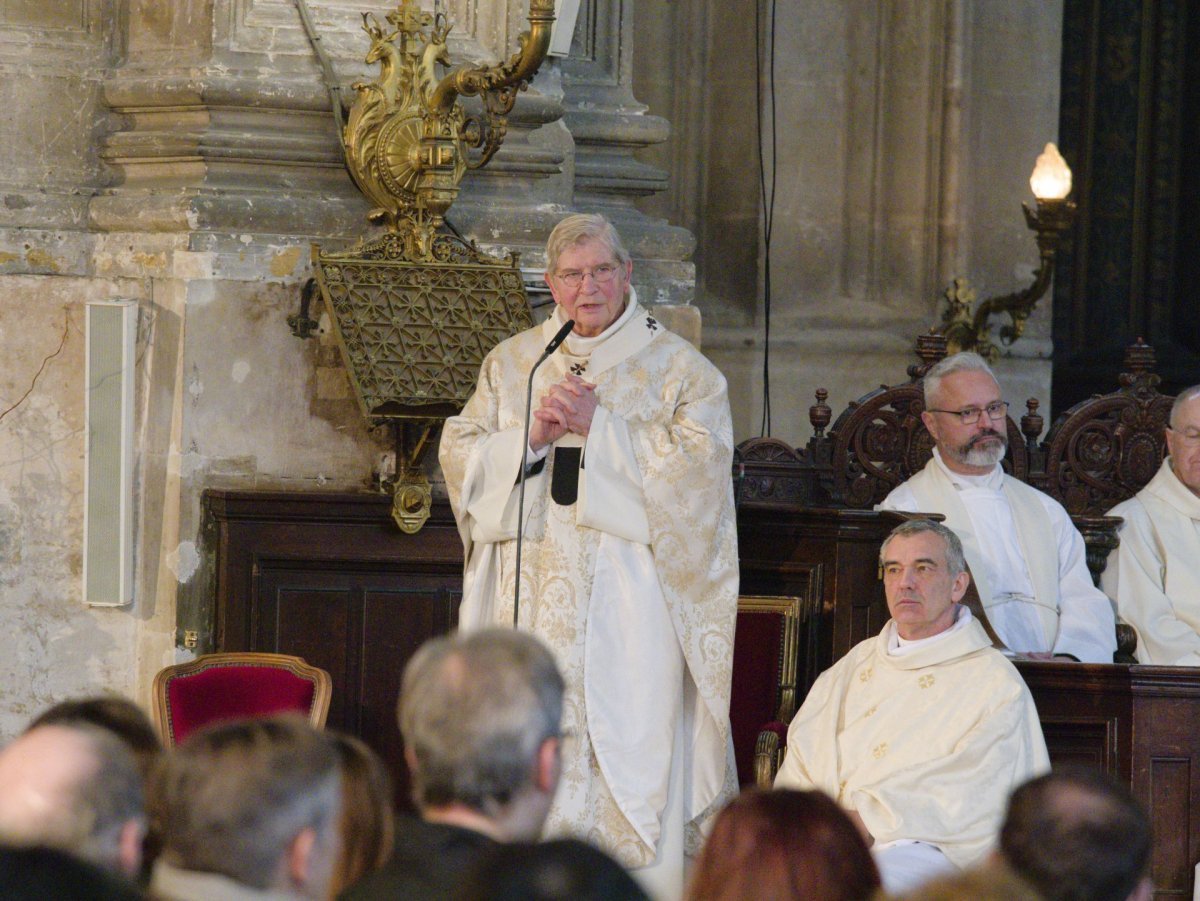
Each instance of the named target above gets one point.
<point>568,406</point>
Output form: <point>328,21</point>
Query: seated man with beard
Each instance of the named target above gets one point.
<point>1026,557</point>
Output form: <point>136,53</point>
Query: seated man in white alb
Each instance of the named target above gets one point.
<point>1153,575</point>
<point>1026,557</point>
<point>922,731</point>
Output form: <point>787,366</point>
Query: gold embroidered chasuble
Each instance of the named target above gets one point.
<point>1153,575</point>
<point>634,585</point>
<point>926,747</point>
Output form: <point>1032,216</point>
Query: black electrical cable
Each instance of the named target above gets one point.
<point>768,197</point>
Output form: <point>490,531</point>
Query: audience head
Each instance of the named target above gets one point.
<point>480,714</point>
<point>120,716</point>
<point>964,385</point>
<point>1078,834</point>
<point>367,827</point>
<point>560,870</point>
<point>257,801</point>
<point>991,882</point>
<point>784,844</point>
<point>924,577</point>
<point>1183,438</point>
<point>76,788</point>
<point>46,874</point>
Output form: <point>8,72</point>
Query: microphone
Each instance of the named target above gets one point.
<point>558,339</point>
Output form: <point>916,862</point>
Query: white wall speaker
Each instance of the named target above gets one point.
<point>108,479</point>
<point>566,12</point>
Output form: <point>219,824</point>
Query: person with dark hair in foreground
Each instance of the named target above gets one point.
<point>1078,835</point>
<point>787,846</point>
<point>368,818</point>
<point>561,870</point>
<point>480,715</point>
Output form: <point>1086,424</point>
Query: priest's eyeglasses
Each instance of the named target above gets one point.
<point>995,410</point>
<point>573,278</point>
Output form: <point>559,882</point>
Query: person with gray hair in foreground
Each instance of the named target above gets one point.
<point>1027,558</point>
<point>249,810</point>
<point>1152,575</point>
<point>920,732</point>
<point>480,714</point>
<point>76,788</point>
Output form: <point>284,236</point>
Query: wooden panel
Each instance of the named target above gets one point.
<point>1165,769</point>
<point>331,579</point>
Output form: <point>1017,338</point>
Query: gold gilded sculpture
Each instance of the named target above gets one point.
<point>408,138</point>
<point>415,311</point>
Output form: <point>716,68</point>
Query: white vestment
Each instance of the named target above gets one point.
<point>1027,560</point>
<point>634,586</point>
<point>925,742</point>
<point>1153,576</point>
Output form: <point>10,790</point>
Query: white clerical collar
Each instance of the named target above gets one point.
<point>1170,488</point>
<point>901,647</point>
<point>579,346</point>
<point>993,480</point>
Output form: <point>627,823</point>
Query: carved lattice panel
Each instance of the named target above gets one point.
<point>413,336</point>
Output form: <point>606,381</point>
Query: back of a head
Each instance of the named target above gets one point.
<point>367,820</point>
<point>72,787</point>
<point>784,844</point>
<point>234,796</point>
<point>991,882</point>
<point>474,710</point>
<point>113,713</point>
<point>46,874</point>
<point>560,870</point>
<point>1077,834</point>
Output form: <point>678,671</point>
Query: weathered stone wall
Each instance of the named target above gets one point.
<point>905,133</point>
<point>181,154</point>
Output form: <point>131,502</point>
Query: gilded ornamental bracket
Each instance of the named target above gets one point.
<point>415,311</point>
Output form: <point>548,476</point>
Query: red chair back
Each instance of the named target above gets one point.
<point>217,687</point>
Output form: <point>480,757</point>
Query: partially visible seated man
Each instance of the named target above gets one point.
<point>922,731</point>
<point>481,718</point>
<point>1152,576</point>
<point>1026,557</point>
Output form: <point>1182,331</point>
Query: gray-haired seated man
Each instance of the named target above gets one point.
<point>248,811</point>
<point>480,714</point>
<point>1027,559</point>
<point>920,732</point>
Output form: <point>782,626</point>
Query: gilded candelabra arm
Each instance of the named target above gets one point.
<point>497,85</point>
<point>965,331</point>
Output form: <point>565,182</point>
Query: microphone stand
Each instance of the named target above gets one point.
<point>550,348</point>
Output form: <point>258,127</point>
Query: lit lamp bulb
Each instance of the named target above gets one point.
<point>1051,179</point>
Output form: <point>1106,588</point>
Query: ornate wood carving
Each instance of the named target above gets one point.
<point>1105,449</point>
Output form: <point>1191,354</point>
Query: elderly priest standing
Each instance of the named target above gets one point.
<point>1154,574</point>
<point>629,569</point>
<point>1026,557</point>
<point>922,731</point>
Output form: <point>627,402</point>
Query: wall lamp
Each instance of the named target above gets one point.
<point>967,330</point>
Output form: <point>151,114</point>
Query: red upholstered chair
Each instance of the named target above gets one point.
<point>216,687</point>
<point>763,698</point>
